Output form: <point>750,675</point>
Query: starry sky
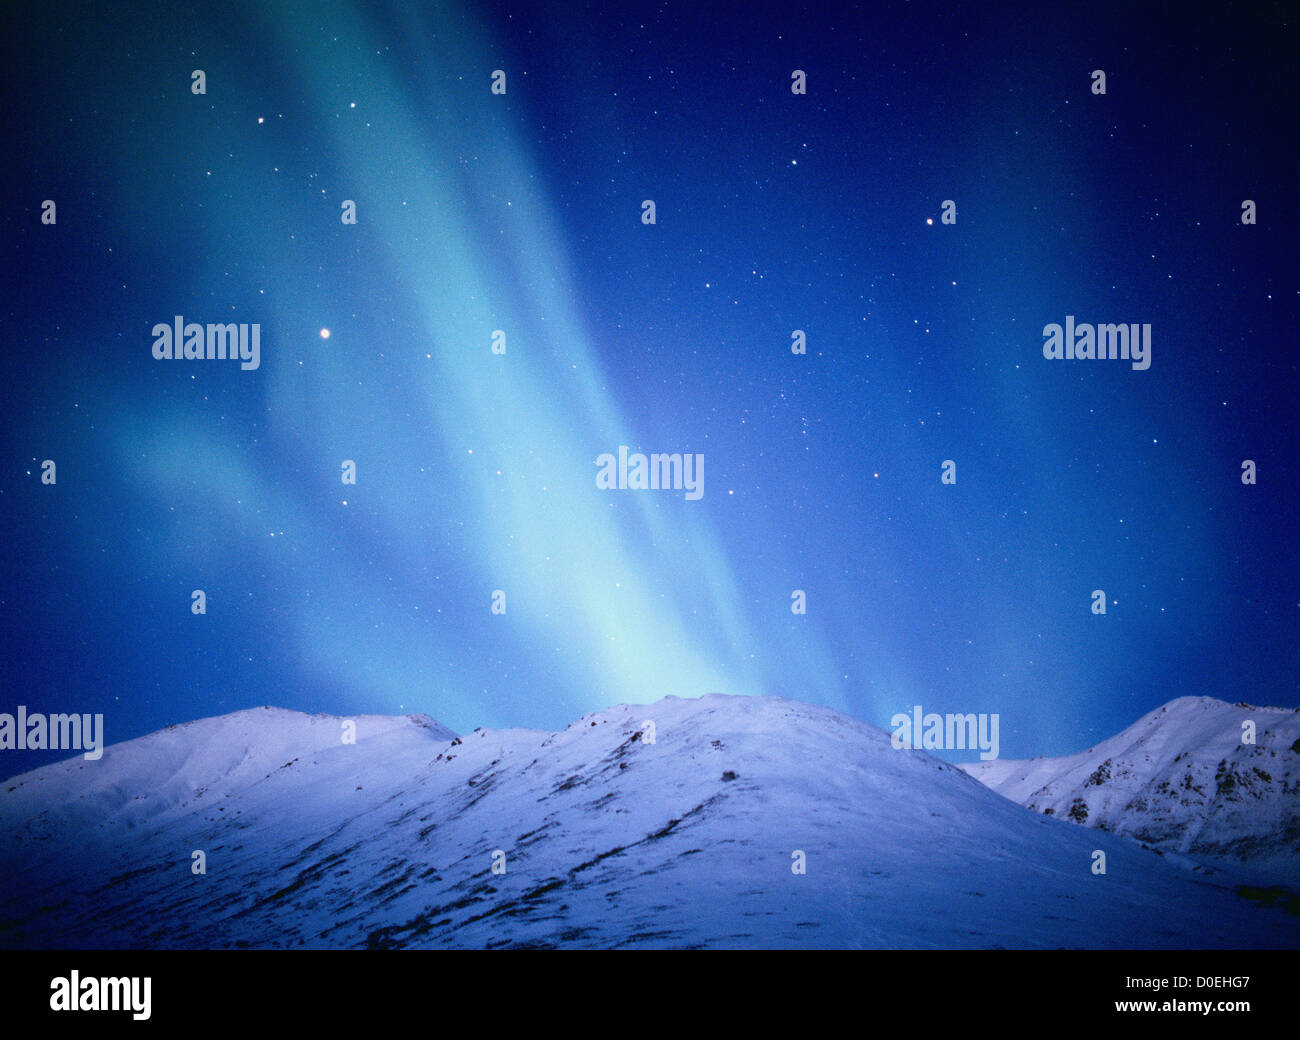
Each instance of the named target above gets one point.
<point>522,212</point>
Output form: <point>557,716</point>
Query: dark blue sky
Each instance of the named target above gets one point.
<point>775,212</point>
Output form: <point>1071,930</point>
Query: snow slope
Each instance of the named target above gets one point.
<point>609,840</point>
<point>1180,779</point>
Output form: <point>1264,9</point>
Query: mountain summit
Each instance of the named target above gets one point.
<point>1198,777</point>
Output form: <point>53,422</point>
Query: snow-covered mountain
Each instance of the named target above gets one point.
<point>1180,779</point>
<point>609,835</point>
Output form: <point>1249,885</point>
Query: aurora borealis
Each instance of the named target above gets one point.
<point>521,212</point>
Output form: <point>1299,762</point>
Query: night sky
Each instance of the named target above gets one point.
<point>775,212</point>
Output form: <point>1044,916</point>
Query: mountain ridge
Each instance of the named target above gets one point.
<point>607,833</point>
